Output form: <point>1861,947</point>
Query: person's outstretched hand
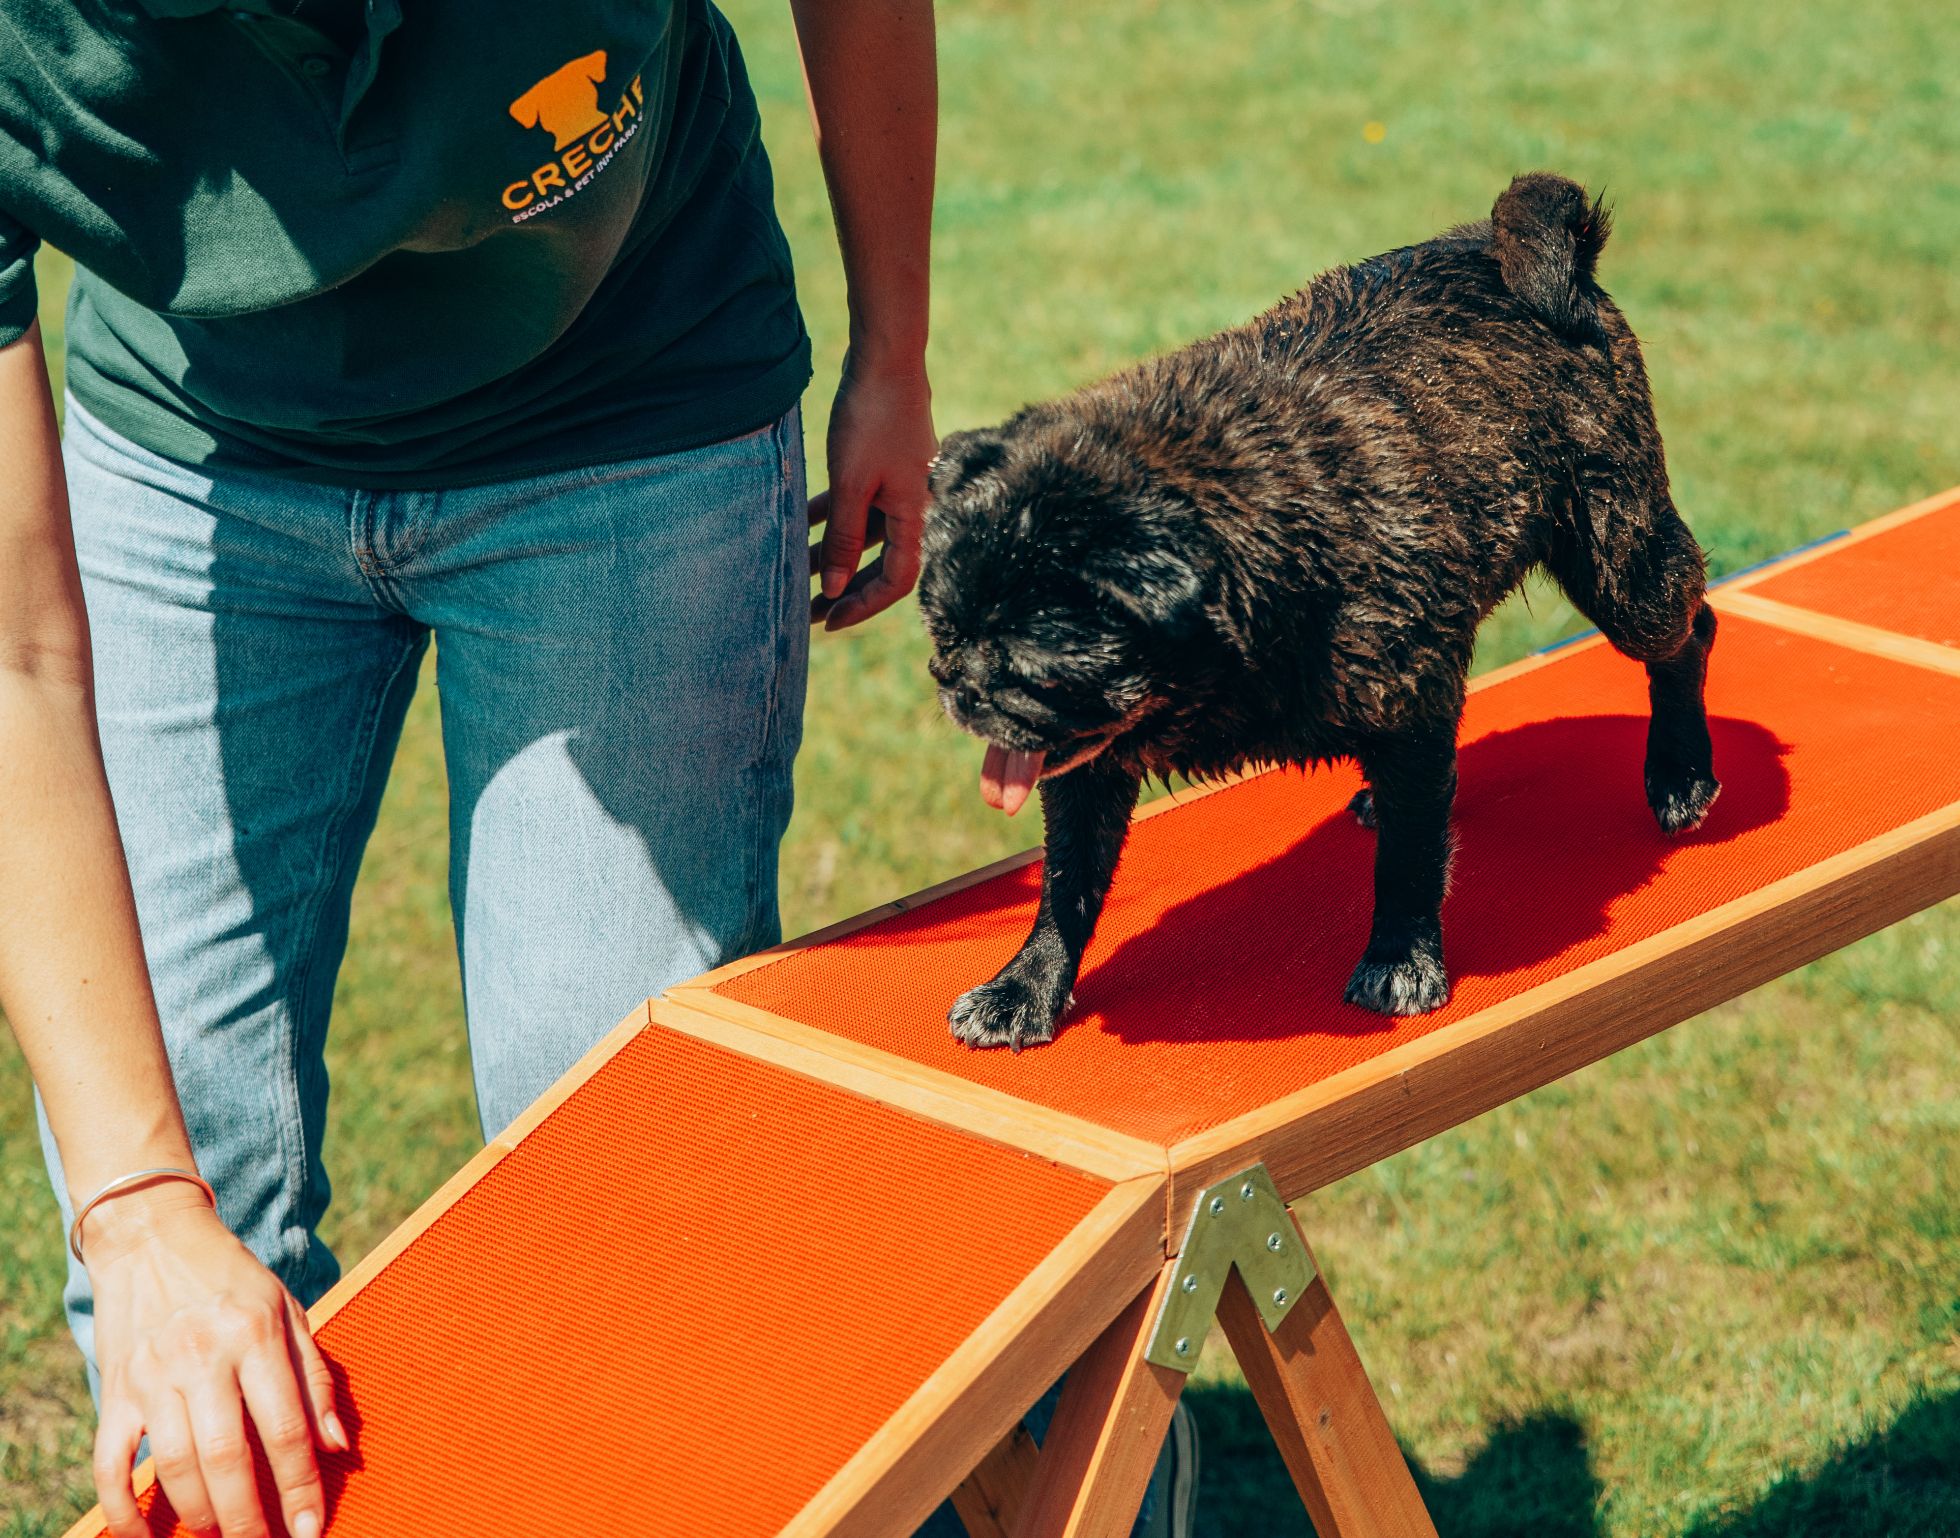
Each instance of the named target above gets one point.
<point>881,441</point>
<point>193,1336</point>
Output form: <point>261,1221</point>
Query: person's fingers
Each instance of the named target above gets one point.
<point>173,1449</point>
<point>316,1380</point>
<point>874,536</point>
<point>821,608</point>
<point>117,1436</point>
<point>273,1398</point>
<point>869,592</point>
<point>843,538</point>
<point>224,1456</point>
<point>905,526</point>
<point>886,580</point>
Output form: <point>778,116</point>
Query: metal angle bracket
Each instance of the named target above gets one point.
<point>1239,1222</point>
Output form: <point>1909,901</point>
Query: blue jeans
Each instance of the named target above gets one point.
<point>620,655</point>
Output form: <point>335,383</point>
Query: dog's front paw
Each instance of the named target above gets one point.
<point>1680,799</point>
<point>1408,980</point>
<point>1363,807</point>
<point>1013,1011</point>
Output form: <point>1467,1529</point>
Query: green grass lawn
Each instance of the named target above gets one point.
<point>1710,1287</point>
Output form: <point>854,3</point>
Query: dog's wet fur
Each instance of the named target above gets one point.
<point>1275,547</point>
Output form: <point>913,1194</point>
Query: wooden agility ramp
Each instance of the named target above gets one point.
<point>779,1256</point>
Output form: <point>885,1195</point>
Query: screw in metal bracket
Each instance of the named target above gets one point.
<point>1246,1236</point>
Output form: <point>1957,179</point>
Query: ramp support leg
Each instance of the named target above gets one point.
<point>1108,1429</point>
<point>989,1502</point>
<point>1323,1413</point>
<point>1088,1481</point>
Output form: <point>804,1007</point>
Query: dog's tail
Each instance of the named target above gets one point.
<point>1546,235</point>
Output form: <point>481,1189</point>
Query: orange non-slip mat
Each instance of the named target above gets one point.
<point>1904,578</point>
<point>675,1307</point>
<point>1213,986</point>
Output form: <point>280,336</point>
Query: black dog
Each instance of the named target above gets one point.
<point>1275,546</point>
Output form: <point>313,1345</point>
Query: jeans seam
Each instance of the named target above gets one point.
<point>776,647</point>
<point>368,561</point>
<point>415,527</point>
<point>778,652</point>
<point>293,1112</point>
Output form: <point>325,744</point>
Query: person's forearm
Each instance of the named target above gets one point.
<point>872,77</point>
<point>72,979</point>
<point>73,982</point>
<point>194,1338</point>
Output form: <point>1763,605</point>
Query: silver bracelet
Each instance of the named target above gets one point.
<point>123,1183</point>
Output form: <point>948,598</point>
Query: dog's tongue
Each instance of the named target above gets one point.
<point>1007,776</point>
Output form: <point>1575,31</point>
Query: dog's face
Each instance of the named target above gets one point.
<point>1056,587</point>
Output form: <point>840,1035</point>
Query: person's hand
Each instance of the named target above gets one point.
<point>881,441</point>
<point>192,1335</point>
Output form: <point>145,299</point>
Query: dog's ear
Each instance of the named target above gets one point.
<point>961,457</point>
<point>1153,580</point>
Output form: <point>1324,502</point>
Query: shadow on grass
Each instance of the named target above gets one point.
<point>1533,1479</point>
<point>1903,1482</point>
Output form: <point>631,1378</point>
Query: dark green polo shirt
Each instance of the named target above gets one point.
<point>489,239</point>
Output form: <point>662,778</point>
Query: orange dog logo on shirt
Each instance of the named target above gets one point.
<point>566,102</point>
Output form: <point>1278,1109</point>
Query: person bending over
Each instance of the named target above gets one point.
<point>393,321</point>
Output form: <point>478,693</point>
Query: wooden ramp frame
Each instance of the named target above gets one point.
<point>780,1257</point>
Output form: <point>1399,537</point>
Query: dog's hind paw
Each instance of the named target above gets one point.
<point>1412,983</point>
<point>1680,802</point>
<point>1363,807</point>
<point>1007,1012</point>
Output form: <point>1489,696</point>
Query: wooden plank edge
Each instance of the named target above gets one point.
<point>931,1094</point>
<point>492,1154</point>
<point>729,971</point>
<point>1441,1080</point>
<point>92,1523</point>
<point>1018,861</point>
<point>912,1462</point>
<point>1545,656</point>
<point>1776,566</point>
<point>1849,634</point>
